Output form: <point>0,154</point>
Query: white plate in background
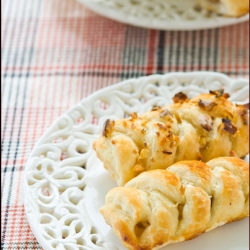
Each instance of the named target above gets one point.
<point>160,14</point>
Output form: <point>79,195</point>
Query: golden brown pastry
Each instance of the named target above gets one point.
<point>202,128</point>
<point>233,8</point>
<point>160,207</point>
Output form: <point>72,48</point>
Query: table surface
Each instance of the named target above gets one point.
<point>57,52</point>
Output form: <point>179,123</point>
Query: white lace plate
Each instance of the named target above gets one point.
<point>64,183</point>
<point>160,14</point>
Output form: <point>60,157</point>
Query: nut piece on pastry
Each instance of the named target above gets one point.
<point>233,8</point>
<point>203,128</point>
<point>189,198</point>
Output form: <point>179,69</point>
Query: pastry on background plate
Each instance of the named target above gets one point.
<point>189,198</point>
<point>202,128</point>
<point>231,8</point>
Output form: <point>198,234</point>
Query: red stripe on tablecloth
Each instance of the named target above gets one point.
<point>150,68</point>
<point>245,47</point>
<point>22,222</point>
<point>230,38</point>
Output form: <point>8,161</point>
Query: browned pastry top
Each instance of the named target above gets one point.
<point>202,128</point>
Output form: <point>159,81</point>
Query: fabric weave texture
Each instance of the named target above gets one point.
<point>57,52</point>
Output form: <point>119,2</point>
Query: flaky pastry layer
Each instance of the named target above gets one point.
<point>189,198</point>
<point>233,8</point>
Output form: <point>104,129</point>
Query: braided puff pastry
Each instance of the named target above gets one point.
<point>202,128</point>
<point>234,8</point>
<point>160,207</point>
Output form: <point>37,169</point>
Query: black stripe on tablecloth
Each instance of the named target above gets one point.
<point>170,51</point>
<point>216,44</point>
<point>22,245</point>
<point>160,52</point>
<point>201,33</point>
<point>208,50</point>
<point>193,36</point>
<point>121,75</point>
<point>185,51</point>
<point>134,54</point>
<point>178,46</point>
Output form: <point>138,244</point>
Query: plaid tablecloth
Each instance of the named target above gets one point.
<point>56,52</point>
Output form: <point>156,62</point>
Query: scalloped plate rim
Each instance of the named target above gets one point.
<point>25,188</point>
